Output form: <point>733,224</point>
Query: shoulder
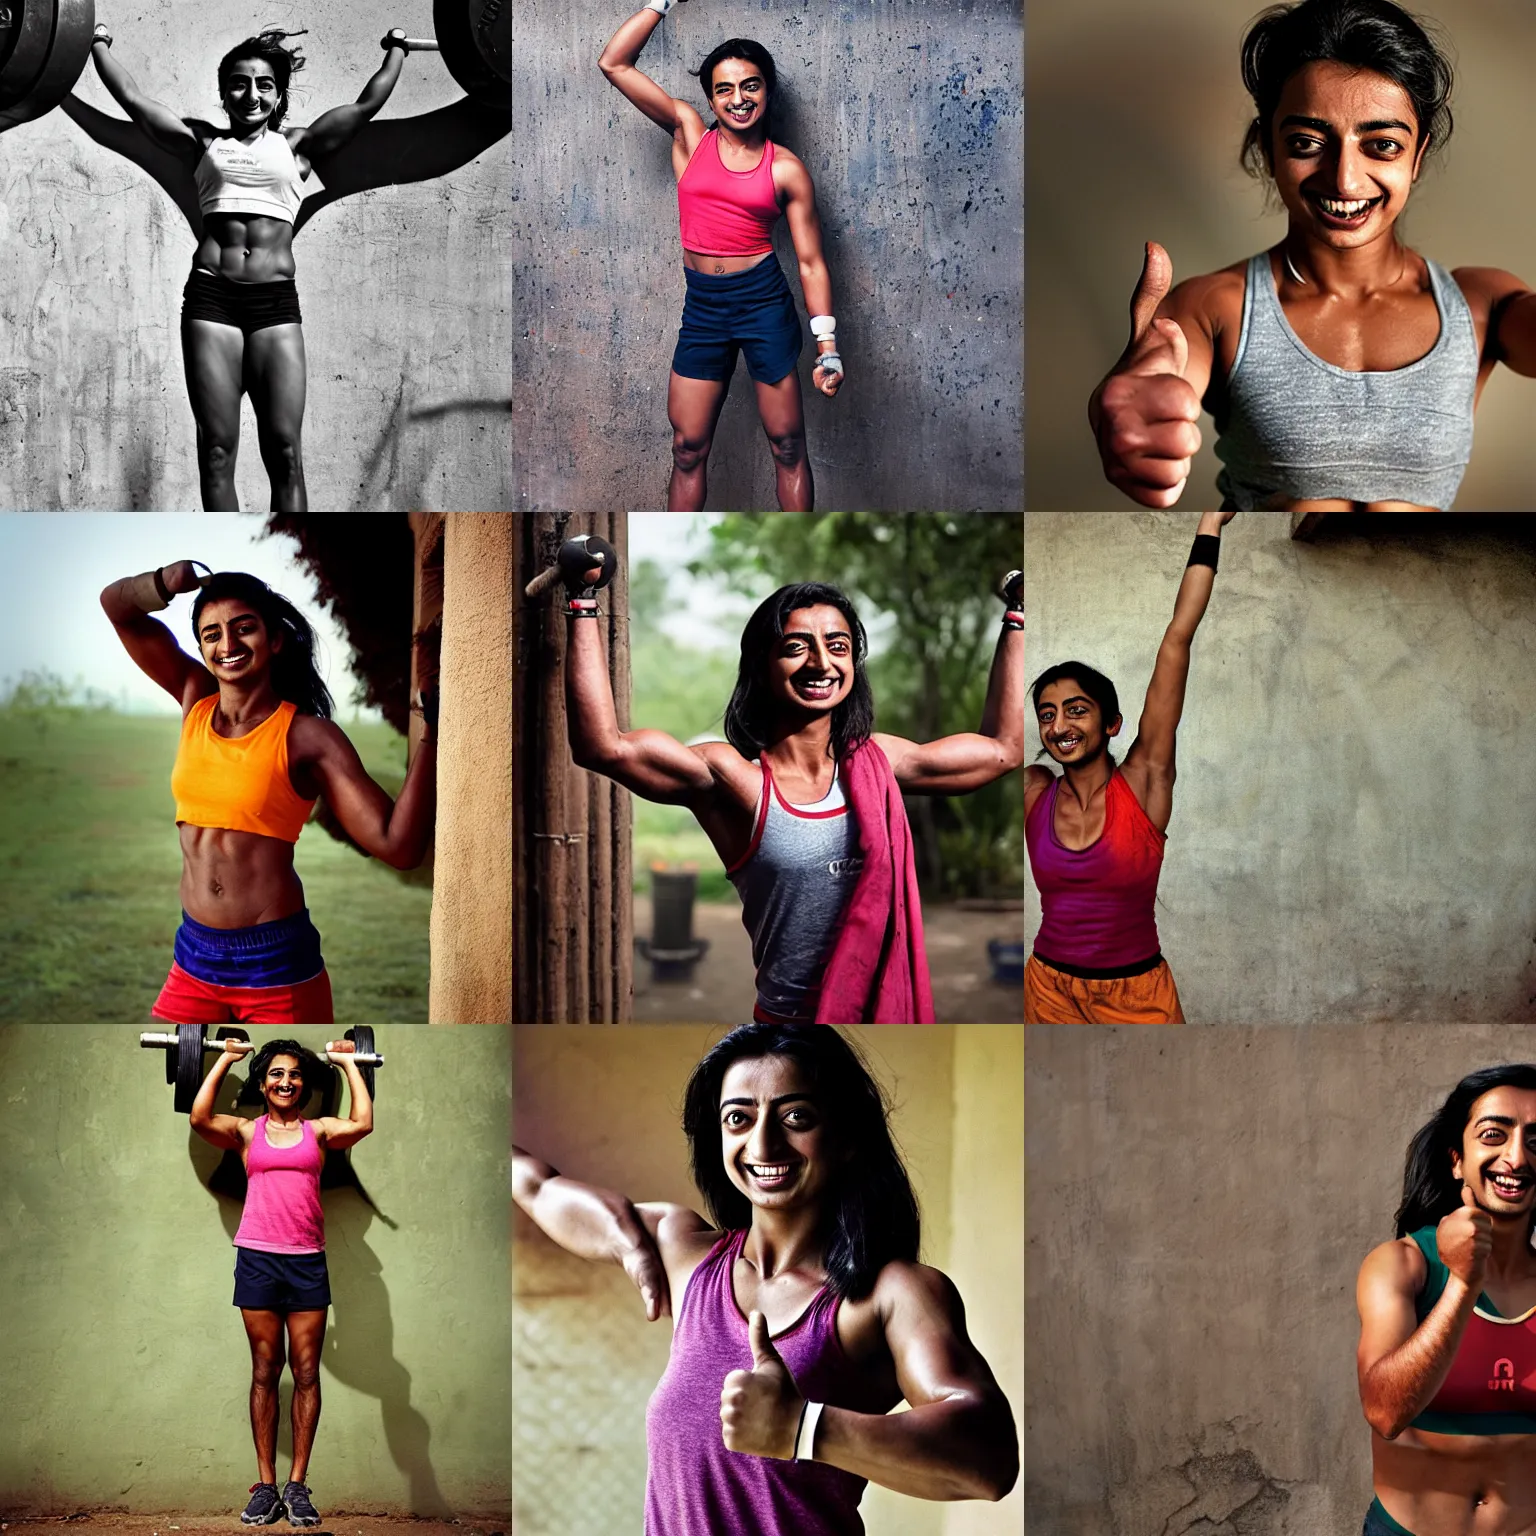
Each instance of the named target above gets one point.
<point>205,133</point>
<point>681,1233</point>
<point>912,1291</point>
<point>729,768</point>
<point>1036,778</point>
<point>312,736</point>
<point>1213,297</point>
<point>789,171</point>
<point>1399,1265</point>
<point>690,124</point>
<point>1488,289</point>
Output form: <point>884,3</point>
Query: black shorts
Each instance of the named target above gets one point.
<point>281,1282</point>
<point>248,306</point>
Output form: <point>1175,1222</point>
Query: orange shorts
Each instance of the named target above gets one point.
<point>1054,997</point>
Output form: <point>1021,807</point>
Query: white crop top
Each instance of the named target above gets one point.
<point>259,178</point>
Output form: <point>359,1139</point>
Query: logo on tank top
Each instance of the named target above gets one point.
<point>1503,1376</point>
<point>849,866</point>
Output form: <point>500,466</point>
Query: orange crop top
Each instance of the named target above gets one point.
<point>238,782</point>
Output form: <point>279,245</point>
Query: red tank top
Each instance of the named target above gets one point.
<point>726,213</point>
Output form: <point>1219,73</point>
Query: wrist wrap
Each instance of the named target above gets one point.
<point>1207,550</point>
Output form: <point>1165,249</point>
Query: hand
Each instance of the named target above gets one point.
<point>1147,412</point>
<point>586,563</point>
<point>827,380</point>
<point>181,576</point>
<point>336,1051</point>
<point>760,1409</point>
<point>643,1265</point>
<point>1464,1240</point>
<point>1011,589</point>
<point>101,35</point>
<point>430,701</point>
<point>235,1049</point>
<point>394,38</point>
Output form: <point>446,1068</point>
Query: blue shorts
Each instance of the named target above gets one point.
<point>281,1282</point>
<point>283,953</point>
<point>752,312</point>
<point>1379,1523</point>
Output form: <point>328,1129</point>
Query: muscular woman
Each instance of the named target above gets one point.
<point>1095,831</point>
<point>1341,367</point>
<point>258,748</point>
<point>1447,1358</point>
<point>241,330</point>
<point>733,183</point>
<point>801,1313</point>
<point>802,801</point>
<point>281,1284</point>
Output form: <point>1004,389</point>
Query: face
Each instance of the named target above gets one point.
<point>812,666</point>
<point>1072,726</point>
<point>738,93</point>
<point>773,1137</point>
<point>234,640</point>
<point>1498,1152</point>
<point>283,1084</point>
<point>1345,149</point>
<point>250,93</point>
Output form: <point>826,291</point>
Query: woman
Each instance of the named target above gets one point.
<point>258,748</point>
<point>240,321</point>
<point>1341,367</point>
<point>281,1284</point>
<point>1096,831</point>
<point>802,1314</point>
<point>733,182</point>
<point>802,801</point>
<point>1447,1358</point>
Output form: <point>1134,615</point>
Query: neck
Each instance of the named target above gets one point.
<point>247,704</point>
<point>805,744</point>
<point>1511,1258</point>
<point>1085,780</point>
<point>1353,273</point>
<point>284,1117</point>
<point>749,138</point>
<point>784,1240</point>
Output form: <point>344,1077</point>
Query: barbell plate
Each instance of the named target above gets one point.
<point>362,1038</point>
<point>24,48</point>
<point>458,24</point>
<point>189,1065</point>
<point>69,49</point>
<point>491,23</point>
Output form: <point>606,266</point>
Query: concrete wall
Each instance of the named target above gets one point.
<point>472,872</point>
<point>603,1106</point>
<point>405,292</point>
<point>908,115</point>
<point>1198,1212</point>
<point>1352,833</point>
<point>116,1264</point>
<point>1157,113</point>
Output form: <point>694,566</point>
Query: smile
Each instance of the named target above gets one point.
<point>239,659</point>
<point>769,1173</point>
<point>1344,210</point>
<point>1508,1185</point>
<point>1067,743</point>
<point>816,687</point>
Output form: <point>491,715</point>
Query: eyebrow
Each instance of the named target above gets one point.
<point>805,634</point>
<point>1508,1120</point>
<point>1077,698</point>
<point>213,629</point>
<point>783,1098</point>
<point>1374,126</point>
<point>725,85</point>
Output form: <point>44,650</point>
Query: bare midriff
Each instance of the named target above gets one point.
<point>236,879</point>
<point>1349,506</point>
<point>718,266</point>
<point>246,248</point>
<point>1457,1485</point>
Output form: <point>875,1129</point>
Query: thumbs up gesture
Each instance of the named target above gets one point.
<point>1144,413</point>
<point>1464,1239</point>
<point>760,1408</point>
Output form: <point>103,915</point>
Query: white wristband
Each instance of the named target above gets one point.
<point>661,7</point>
<point>823,326</point>
<point>805,1441</point>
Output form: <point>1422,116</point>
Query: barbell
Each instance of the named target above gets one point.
<point>185,1048</point>
<point>45,45</point>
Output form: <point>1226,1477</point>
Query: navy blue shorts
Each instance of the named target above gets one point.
<point>282,953</point>
<point>281,1282</point>
<point>752,312</point>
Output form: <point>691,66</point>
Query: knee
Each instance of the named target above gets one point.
<point>283,455</point>
<point>788,448</point>
<point>267,1370</point>
<point>689,451</point>
<point>218,453</point>
<point>306,1375</point>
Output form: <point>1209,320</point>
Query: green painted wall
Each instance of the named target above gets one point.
<point>121,1350</point>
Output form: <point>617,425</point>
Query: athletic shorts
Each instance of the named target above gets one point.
<point>1054,997</point>
<point>1379,1523</point>
<point>752,312</point>
<point>247,306</point>
<point>281,1282</point>
<point>271,973</point>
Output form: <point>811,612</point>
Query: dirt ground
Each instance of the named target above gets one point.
<point>721,990</point>
<point>334,1524</point>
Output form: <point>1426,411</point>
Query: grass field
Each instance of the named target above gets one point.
<point>89,868</point>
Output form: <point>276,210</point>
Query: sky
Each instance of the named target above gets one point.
<point>54,565</point>
<point>703,616</point>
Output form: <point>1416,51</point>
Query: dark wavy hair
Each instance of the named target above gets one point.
<point>1363,34</point>
<point>295,676</point>
<point>311,1069</point>
<point>737,48</point>
<point>752,709</point>
<point>874,1217</point>
<point>267,46</point>
<point>1089,679</point>
<point>1430,1190</point>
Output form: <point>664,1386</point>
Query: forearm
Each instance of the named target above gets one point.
<point>1195,587</point>
<point>1003,715</point>
<point>591,1223</point>
<point>1400,1385</point>
<point>360,1107</point>
<point>119,83</point>
<point>960,1448</point>
<point>408,834</point>
<point>202,1106</point>
<point>816,285</point>
<point>132,598</point>
<point>625,44</point>
<point>378,89</point>
<point>591,719</point>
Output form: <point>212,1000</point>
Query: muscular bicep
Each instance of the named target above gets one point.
<point>925,1332</point>
<point>156,654</point>
<point>800,213</point>
<point>361,806</point>
<point>226,1131</point>
<point>1190,304</point>
<point>1385,1295</point>
<point>337,1134</point>
<point>952,765</point>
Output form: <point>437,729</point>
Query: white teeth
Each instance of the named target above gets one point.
<point>1343,209</point>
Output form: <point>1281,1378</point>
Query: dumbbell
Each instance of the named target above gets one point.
<point>573,560</point>
<point>185,1048</point>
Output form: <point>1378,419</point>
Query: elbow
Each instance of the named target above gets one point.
<point>998,1482</point>
<point>595,758</point>
<point>610,67</point>
<point>1387,1424</point>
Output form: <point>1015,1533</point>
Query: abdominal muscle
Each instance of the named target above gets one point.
<point>717,266</point>
<point>1457,1485</point>
<point>246,248</point>
<point>236,879</point>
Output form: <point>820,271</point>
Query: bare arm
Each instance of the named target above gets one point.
<point>159,122</point>
<point>617,63</point>
<point>333,129</point>
<point>338,1132</point>
<point>128,604</point>
<point>1511,335</point>
<point>815,280</point>
<point>397,831</point>
<point>218,1130</point>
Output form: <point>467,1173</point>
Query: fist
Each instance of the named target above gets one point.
<point>237,1048</point>
<point>827,380</point>
<point>760,1409</point>
<point>1147,411</point>
<point>1011,589</point>
<point>336,1049</point>
<point>1464,1239</point>
<point>181,576</point>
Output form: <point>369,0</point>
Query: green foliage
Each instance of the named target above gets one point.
<point>36,700</point>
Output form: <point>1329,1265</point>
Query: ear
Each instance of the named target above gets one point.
<point>1114,730</point>
<point>1418,159</point>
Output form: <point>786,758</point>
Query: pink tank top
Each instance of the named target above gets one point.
<point>1096,903</point>
<point>695,1486</point>
<point>282,1196</point>
<point>726,213</point>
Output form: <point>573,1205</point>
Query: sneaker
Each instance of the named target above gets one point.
<point>300,1510</point>
<point>265,1506</point>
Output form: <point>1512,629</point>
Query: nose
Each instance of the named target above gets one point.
<point>1351,172</point>
<point>1518,1156</point>
<point>763,1145</point>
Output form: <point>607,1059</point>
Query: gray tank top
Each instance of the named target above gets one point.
<point>1298,429</point>
<point>794,881</point>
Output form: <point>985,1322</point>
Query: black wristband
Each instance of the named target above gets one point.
<point>1207,550</point>
<point>161,588</point>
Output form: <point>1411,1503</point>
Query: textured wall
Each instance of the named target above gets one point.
<point>115,1262</point>
<point>1352,833</point>
<point>603,1106</point>
<point>907,114</point>
<point>405,292</point>
<point>1198,1211</point>
<point>1157,112</point>
<point>472,871</point>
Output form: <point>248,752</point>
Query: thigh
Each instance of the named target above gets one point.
<point>693,405</point>
<point>781,407</point>
<point>306,1337</point>
<point>276,377</point>
<point>264,1330</point>
<point>186,1000</point>
<point>214,357</point>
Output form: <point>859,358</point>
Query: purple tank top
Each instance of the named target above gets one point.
<point>1096,903</point>
<point>695,1486</point>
